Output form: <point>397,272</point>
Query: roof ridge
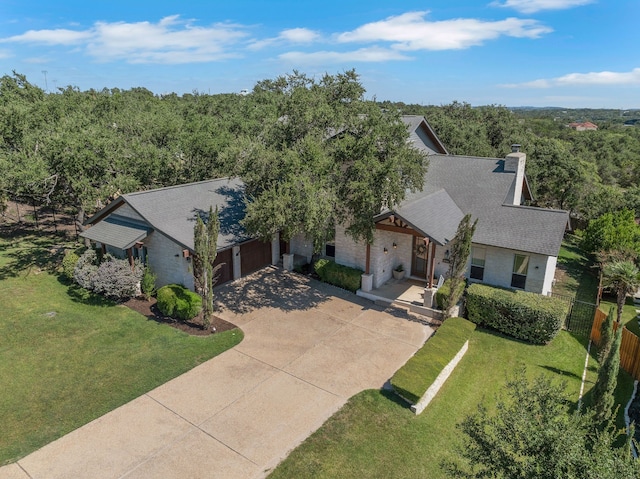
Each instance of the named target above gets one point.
<point>183,185</point>
<point>537,208</point>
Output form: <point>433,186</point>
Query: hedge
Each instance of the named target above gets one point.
<point>338,275</point>
<point>178,302</point>
<point>443,292</point>
<point>413,379</point>
<point>522,315</point>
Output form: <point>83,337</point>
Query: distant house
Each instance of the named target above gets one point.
<point>156,226</point>
<point>584,126</point>
<point>514,246</point>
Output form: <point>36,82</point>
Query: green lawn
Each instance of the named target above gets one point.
<point>67,357</point>
<point>375,435</point>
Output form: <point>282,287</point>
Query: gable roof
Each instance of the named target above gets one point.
<point>480,186</point>
<point>172,211</point>
<point>420,132</point>
<point>117,231</point>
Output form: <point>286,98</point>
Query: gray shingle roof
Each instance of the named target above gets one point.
<point>173,210</point>
<point>480,186</point>
<point>434,214</point>
<point>117,231</point>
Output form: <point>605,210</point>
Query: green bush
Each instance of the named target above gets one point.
<point>413,379</point>
<point>522,315</point>
<point>148,283</point>
<point>178,302</point>
<point>338,275</point>
<point>69,264</point>
<point>443,293</point>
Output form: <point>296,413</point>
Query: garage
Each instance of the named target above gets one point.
<point>254,255</point>
<point>225,273</point>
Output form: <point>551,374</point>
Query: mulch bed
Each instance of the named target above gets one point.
<point>193,326</point>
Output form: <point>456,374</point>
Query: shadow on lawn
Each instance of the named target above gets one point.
<point>28,253</point>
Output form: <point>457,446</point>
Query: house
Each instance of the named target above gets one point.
<point>156,226</point>
<point>583,126</point>
<point>514,246</point>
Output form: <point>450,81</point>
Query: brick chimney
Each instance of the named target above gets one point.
<point>515,162</point>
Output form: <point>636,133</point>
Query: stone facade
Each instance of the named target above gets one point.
<point>165,259</point>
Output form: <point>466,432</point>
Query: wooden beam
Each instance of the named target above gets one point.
<point>366,269</point>
<point>397,229</point>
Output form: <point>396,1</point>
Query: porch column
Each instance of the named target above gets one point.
<point>432,264</point>
<point>130,256</point>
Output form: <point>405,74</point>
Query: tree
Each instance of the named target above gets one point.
<point>534,435</point>
<point>205,252</point>
<point>324,156</point>
<point>603,399</point>
<point>459,250</point>
<point>623,278</point>
<point>612,231</point>
<point>606,336</point>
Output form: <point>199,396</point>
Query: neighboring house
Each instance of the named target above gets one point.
<point>514,246</point>
<point>157,227</point>
<point>583,126</point>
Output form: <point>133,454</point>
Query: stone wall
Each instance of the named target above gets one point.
<point>165,259</point>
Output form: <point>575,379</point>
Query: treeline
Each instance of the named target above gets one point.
<point>80,148</point>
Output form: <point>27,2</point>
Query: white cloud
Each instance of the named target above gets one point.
<point>59,36</point>
<point>171,40</point>
<point>291,35</point>
<point>373,54</point>
<point>410,31</point>
<point>604,78</point>
<point>533,6</point>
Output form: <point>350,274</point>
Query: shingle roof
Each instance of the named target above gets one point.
<point>480,186</point>
<point>172,210</point>
<point>434,214</point>
<point>420,132</point>
<point>117,231</point>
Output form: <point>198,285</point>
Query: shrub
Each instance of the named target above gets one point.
<point>413,379</point>
<point>69,264</point>
<point>116,279</point>
<point>148,283</point>
<point>527,316</point>
<point>338,275</point>
<point>86,269</point>
<point>443,293</point>
<point>178,302</point>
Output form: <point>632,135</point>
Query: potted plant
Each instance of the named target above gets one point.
<point>398,273</point>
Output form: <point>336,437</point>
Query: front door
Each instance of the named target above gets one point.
<point>419,261</point>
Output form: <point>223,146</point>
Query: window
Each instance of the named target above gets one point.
<point>477,263</point>
<point>330,249</point>
<point>520,268</point>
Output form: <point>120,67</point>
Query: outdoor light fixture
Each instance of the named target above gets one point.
<point>446,255</point>
<point>395,246</point>
<point>386,251</point>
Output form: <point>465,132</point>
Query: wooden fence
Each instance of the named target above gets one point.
<point>629,349</point>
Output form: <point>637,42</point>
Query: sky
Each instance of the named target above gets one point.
<point>565,53</point>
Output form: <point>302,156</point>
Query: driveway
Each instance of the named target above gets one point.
<point>308,347</point>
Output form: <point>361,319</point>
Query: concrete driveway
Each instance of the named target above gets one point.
<point>308,347</point>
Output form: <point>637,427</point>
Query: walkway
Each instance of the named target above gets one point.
<point>308,347</point>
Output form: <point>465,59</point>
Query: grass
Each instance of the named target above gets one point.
<point>376,435</point>
<point>413,379</point>
<point>68,357</point>
<point>629,315</point>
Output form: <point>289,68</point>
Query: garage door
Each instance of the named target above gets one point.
<point>254,255</point>
<point>225,258</point>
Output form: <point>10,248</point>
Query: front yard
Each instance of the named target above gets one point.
<point>68,357</point>
<point>376,435</point>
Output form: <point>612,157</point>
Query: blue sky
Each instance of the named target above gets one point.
<point>571,53</point>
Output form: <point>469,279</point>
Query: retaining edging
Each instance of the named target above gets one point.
<point>431,392</point>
